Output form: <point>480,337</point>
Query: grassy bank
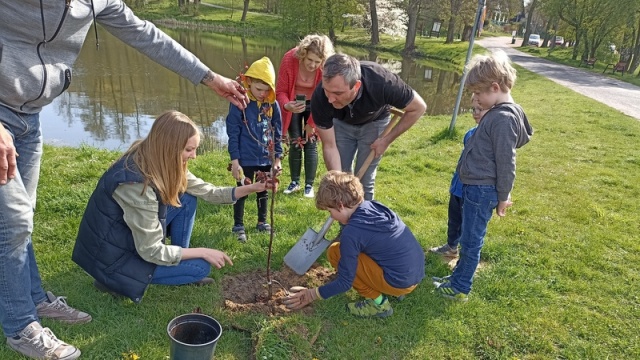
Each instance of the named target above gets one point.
<point>560,277</point>
<point>563,56</point>
<point>224,16</point>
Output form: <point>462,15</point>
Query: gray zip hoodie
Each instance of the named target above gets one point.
<point>40,40</point>
<point>489,155</point>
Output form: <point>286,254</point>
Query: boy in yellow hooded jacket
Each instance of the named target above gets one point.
<point>252,134</point>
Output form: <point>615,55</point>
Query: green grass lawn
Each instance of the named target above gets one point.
<point>560,279</point>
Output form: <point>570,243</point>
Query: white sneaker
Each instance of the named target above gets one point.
<point>37,342</point>
<point>308,191</point>
<point>56,308</point>
<point>293,187</point>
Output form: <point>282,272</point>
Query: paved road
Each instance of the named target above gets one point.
<point>614,93</point>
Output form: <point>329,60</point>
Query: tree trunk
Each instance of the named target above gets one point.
<point>412,26</point>
<point>245,9</point>
<point>375,37</point>
<point>527,32</point>
<point>636,51</point>
<point>451,30</point>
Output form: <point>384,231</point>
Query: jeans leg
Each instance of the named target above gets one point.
<point>20,284</point>
<point>180,220</point>
<point>369,133</point>
<point>295,153</point>
<point>186,272</point>
<point>454,222</point>
<point>479,202</point>
<point>346,142</point>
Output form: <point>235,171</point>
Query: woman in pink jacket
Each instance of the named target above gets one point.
<point>299,74</point>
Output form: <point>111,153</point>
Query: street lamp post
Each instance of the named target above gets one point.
<point>481,4</point>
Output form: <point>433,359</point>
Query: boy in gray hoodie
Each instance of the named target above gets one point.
<point>487,166</point>
<point>39,42</point>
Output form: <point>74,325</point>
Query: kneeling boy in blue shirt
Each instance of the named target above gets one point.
<point>377,254</point>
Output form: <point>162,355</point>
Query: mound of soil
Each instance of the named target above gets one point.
<point>250,291</point>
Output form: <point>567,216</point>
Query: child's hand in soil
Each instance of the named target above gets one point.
<point>300,297</point>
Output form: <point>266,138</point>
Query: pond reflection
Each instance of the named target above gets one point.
<point>116,92</point>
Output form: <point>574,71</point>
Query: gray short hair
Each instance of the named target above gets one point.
<point>344,65</point>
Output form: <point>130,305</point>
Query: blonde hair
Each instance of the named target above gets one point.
<point>339,188</point>
<point>159,155</point>
<point>318,44</point>
<point>484,70</point>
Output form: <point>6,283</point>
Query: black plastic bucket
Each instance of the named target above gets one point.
<point>193,337</point>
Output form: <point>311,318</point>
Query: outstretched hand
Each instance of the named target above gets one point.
<point>216,258</point>
<point>299,297</point>
<point>227,88</point>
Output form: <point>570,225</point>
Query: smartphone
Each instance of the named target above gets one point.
<point>301,99</point>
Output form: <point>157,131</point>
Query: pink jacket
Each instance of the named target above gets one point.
<point>286,83</point>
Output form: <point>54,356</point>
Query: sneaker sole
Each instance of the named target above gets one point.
<point>70,322</point>
<point>76,354</point>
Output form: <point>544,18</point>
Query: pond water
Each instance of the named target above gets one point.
<point>116,92</point>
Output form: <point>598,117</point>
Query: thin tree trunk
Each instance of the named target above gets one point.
<point>245,9</point>
<point>375,37</point>
<point>412,27</point>
<point>451,30</point>
<point>532,8</point>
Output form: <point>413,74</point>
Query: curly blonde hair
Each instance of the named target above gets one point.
<point>318,44</point>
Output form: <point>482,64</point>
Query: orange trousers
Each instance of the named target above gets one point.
<point>369,281</point>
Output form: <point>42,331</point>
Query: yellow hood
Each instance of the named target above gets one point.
<point>262,69</point>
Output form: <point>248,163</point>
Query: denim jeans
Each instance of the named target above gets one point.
<point>296,130</point>
<point>179,226</point>
<point>20,284</point>
<point>352,139</point>
<point>479,202</point>
<point>454,222</point>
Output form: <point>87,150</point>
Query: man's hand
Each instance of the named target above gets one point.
<point>501,209</point>
<point>227,88</point>
<point>8,156</point>
<point>379,146</point>
<point>300,297</point>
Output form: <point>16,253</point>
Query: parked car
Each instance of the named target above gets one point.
<point>559,40</point>
<point>534,39</point>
